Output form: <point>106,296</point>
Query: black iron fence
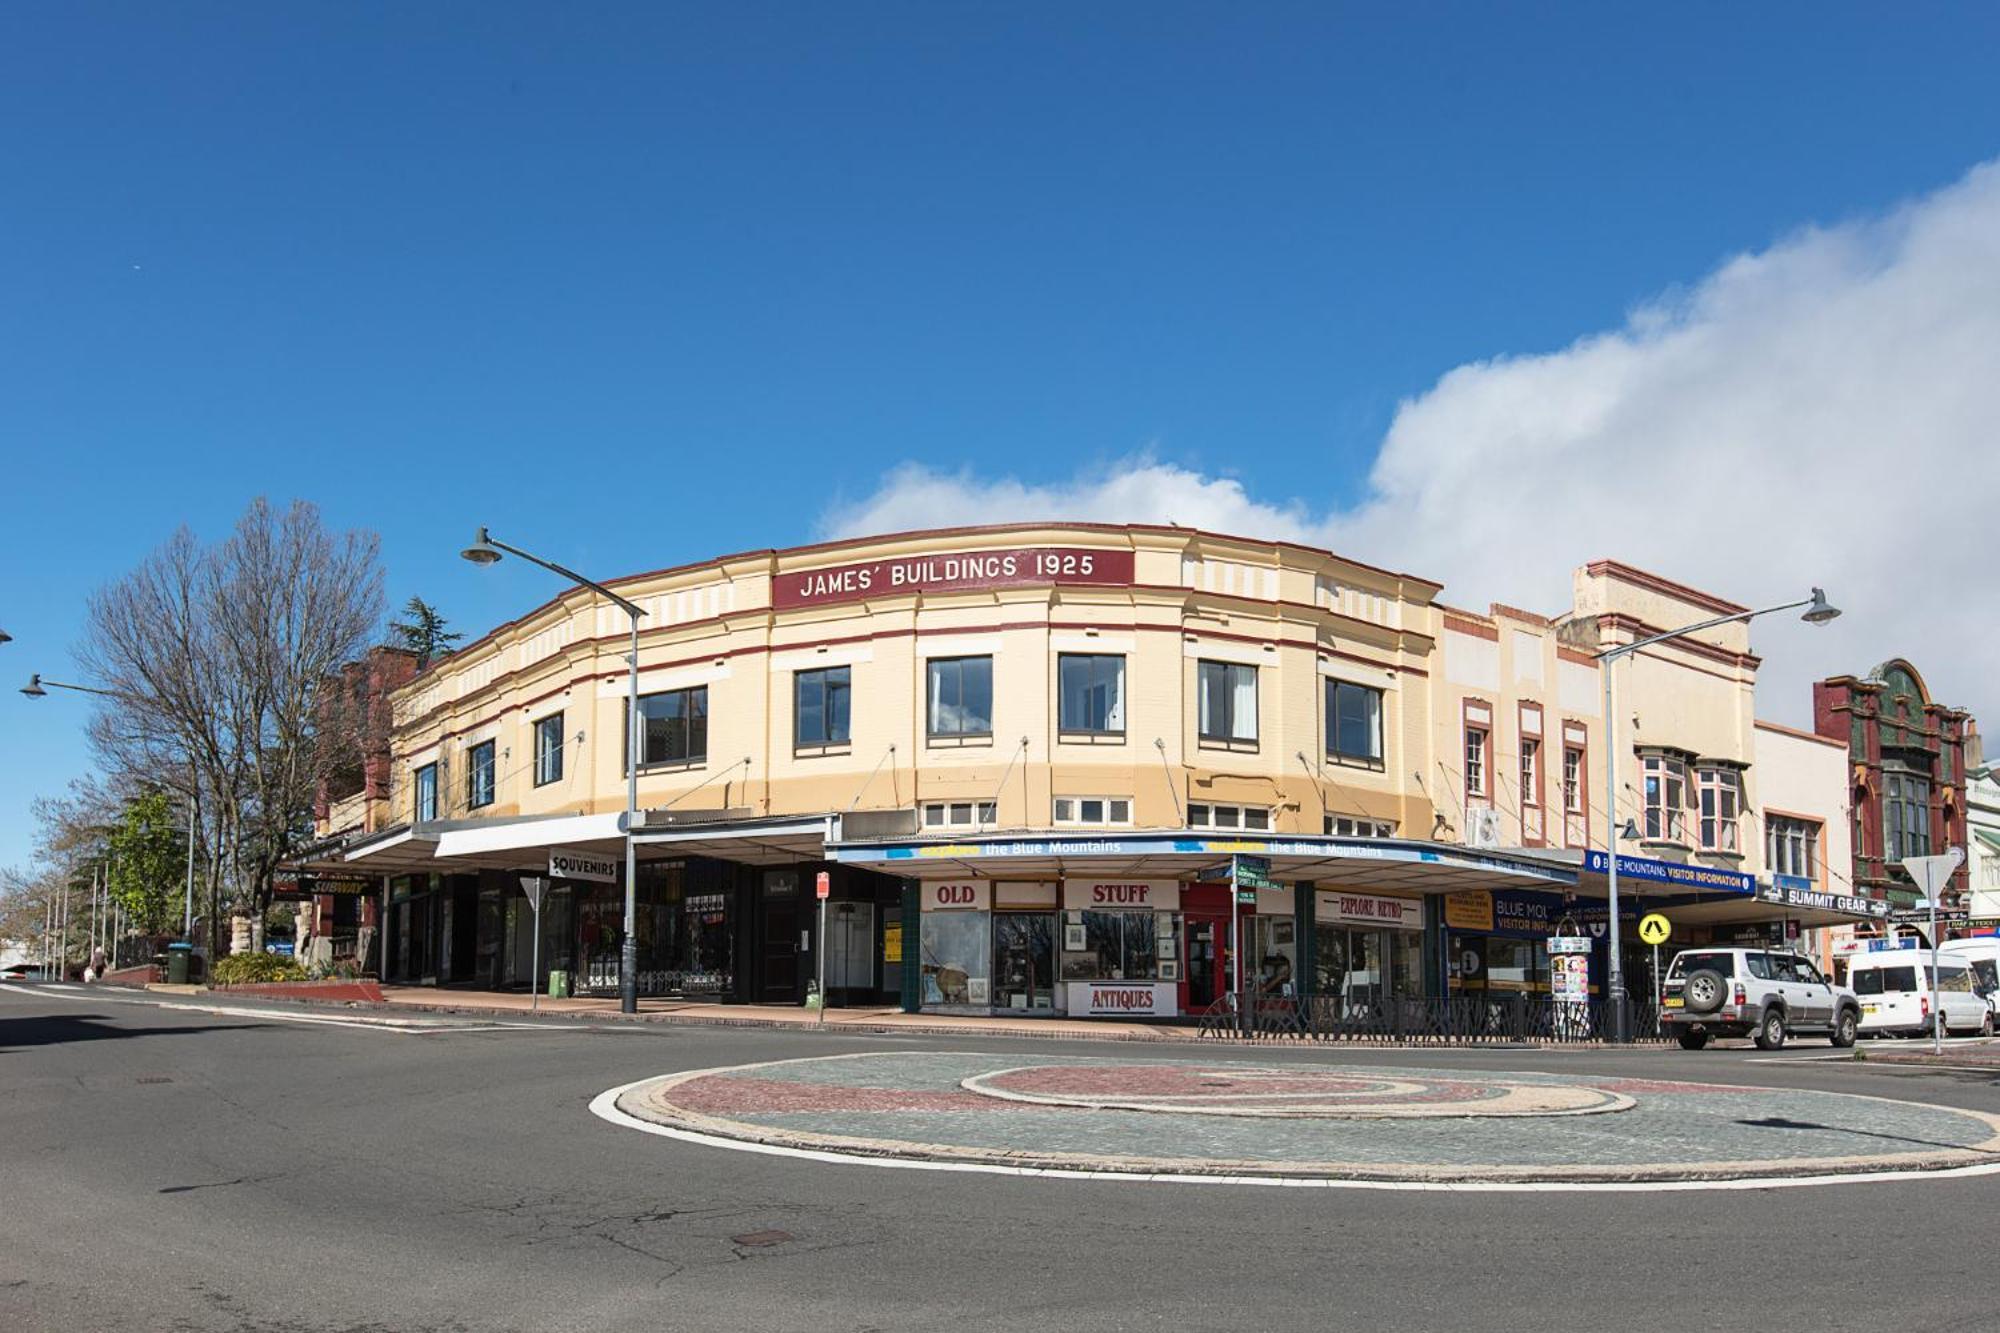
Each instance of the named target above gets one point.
<point>1454,1020</point>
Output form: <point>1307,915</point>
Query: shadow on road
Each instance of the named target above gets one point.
<point>1781,1122</point>
<point>57,1029</point>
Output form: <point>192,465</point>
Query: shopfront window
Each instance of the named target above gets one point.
<point>1116,946</point>
<point>957,955</point>
<point>687,940</point>
<point>1359,968</point>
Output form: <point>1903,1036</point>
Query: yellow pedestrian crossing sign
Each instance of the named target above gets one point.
<point>1654,928</point>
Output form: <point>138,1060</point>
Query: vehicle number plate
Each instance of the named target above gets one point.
<point>1674,1002</point>
<point>1870,1008</point>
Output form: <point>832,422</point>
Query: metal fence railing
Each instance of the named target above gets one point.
<point>1455,1020</point>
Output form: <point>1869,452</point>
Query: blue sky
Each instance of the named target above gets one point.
<point>419,263</point>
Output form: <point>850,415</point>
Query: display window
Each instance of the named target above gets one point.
<point>1111,946</point>
<point>956,958</point>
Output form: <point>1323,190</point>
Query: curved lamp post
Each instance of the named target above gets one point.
<point>486,550</point>
<point>37,688</point>
<point>1817,612</point>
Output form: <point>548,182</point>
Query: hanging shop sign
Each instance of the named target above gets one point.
<point>1672,872</point>
<point>587,866</point>
<point>1121,895</point>
<point>1335,907</point>
<point>949,571</point>
<point>1797,891</point>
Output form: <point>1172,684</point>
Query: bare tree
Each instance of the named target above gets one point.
<point>218,657</point>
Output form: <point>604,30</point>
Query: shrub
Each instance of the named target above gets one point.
<point>240,968</point>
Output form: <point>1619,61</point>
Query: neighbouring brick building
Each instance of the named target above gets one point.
<point>1907,767</point>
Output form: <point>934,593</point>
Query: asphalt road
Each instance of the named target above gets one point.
<point>163,1167</point>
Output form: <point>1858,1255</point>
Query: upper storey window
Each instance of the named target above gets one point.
<point>961,697</point>
<point>821,715</point>
<point>1091,694</point>
<point>1228,702</point>
<point>1353,723</point>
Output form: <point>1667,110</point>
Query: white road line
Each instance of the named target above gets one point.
<point>407,1027</point>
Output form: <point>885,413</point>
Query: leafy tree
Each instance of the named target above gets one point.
<point>149,863</point>
<point>424,632</point>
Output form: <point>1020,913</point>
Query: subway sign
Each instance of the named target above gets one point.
<point>950,571</point>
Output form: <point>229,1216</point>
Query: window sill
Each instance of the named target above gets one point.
<point>1352,761</point>
<point>969,741</point>
<point>1090,738</point>
<point>674,766</point>
<point>1718,853</point>
<point>820,751</point>
<point>1232,747</point>
<point>1666,844</point>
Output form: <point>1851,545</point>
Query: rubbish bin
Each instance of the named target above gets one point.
<point>177,963</point>
<point>558,985</point>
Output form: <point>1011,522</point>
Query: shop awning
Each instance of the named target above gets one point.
<point>510,844</point>
<point>1389,865</point>
<point>399,850</point>
<point>777,841</point>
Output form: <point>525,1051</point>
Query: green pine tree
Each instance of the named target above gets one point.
<point>424,632</point>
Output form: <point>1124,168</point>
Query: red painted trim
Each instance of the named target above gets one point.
<point>1572,655</point>
<point>1472,627</point>
<point>1498,609</point>
<point>1625,573</point>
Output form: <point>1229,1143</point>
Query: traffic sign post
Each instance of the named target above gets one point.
<point>823,887</point>
<point>1931,874</point>
<point>534,886</point>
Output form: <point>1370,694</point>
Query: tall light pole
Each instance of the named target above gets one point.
<point>38,688</point>
<point>485,550</point>
<point>1817,613</point>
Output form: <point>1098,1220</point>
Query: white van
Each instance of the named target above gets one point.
<point>1894,986</point>
<point>1982,955</point>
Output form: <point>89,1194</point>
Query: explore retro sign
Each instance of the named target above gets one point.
<point>947,571</point>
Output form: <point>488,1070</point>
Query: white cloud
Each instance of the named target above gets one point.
<point>1824,411</point>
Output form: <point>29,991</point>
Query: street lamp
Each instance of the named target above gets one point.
<point>1817,612</point>
<point>34,689</point>
<point>487,550</point>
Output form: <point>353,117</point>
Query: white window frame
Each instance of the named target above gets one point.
<point>1660,776</point>
<point>1573,779</point>
<point>1073,811</point>
<point>1356,826</point>
<point>1531,771</point>
<point>1790,843</point>
<point>1211,815</point>
<point>972,813</point>
<point>1478,762</point>
<point>1716,788</point>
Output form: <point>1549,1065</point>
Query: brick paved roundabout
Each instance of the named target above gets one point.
<point>1298,1123</point>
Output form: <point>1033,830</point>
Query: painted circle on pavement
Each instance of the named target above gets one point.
<point>1300,1122</point>
<point>1286,1091</point>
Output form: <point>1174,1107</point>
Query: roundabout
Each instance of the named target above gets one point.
<point>1301,1124</point>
